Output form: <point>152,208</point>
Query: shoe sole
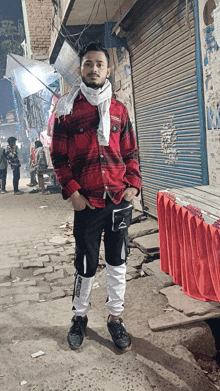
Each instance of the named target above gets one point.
<point>74,347</point>
<point>123,350</point>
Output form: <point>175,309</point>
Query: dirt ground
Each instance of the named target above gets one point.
<point>158,361</point>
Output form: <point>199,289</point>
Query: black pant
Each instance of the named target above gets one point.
<point>16,177</point>
<point>89,224</point>
<point>3,174</point>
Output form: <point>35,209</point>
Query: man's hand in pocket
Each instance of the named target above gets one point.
<point>130,193</point>
<point>79,202</point>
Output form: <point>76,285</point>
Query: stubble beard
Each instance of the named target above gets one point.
<point>95,86</point>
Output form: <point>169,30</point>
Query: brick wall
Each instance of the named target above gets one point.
<point>39,14</point>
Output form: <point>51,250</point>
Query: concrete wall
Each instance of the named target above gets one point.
<point>210,45</point>
<point>121,79</point>
<point>38,17</point>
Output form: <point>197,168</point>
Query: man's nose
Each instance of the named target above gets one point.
<point>94,68</point>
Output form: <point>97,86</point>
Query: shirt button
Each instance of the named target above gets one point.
<point>101,156</point>
<point>103,171</point>
<point>106,187</point>
<point>81,130</point>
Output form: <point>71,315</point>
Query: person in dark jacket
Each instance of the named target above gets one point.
<point>3,170</point>
<point>13,160</point>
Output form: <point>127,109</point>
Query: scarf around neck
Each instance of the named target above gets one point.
<point>100,98</point>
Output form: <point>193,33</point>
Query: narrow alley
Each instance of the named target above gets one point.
<point>36,271</point>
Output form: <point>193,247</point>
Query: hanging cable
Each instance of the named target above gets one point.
<point>88,25</point>
<point>106,13</point>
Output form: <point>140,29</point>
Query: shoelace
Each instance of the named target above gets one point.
<point>119,329</point>
<point>77,326</point>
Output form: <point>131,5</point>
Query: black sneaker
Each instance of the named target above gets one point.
<point>77,331</point>
<point>119,334</point>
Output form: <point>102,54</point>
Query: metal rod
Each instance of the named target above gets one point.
<point>34,76</point>
<point>46,101</point>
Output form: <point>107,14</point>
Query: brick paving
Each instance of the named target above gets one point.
<point>31,267</point>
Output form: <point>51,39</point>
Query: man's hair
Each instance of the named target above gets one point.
<point>11,140</point>
<point>93,47</point>
<point>38,144</point>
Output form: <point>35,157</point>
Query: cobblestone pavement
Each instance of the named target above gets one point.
<point>32,268</point>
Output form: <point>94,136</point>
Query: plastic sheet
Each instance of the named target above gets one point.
<point>189,250</point>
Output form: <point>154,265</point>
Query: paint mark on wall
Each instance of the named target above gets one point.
<point>212,79</point>
<point>216,16</point>
<point>168,138</point>
<point>212,93</point>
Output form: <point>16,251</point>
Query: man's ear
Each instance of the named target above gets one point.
<point>108,72</point>
<point>79,71</point>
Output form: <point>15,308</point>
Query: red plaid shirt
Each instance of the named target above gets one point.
<point>80,163</point>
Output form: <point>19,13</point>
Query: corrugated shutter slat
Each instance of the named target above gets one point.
<point>162,47</point>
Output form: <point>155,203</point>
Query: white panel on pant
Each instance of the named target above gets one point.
<point>123,252</point>
<point>85,264</point>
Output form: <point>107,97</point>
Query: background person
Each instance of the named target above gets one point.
<point>38,167</point>
<point>3,170</point>
<point>12,158</point>
<point>94,154</point>
<point>39,164</point>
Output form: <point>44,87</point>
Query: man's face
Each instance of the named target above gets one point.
<point>94,69</point>
<point>12,144</point>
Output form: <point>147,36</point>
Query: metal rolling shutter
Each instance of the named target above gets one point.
<point>161,39</point>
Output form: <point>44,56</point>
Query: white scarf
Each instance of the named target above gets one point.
<point>100,98</point>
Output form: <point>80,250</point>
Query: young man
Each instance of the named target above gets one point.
<point>12,157</point>
<point>94,154</point>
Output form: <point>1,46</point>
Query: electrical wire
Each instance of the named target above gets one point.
<point>113,57</point>
<point>88,25</point>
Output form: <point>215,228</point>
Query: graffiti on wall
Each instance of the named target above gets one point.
<point>168,138</point>
<point>212,75</point>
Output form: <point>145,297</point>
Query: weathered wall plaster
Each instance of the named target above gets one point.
<point>209,15</point>
<point>122,83</point>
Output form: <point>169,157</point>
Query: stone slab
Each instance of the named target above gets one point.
<point>59,240</point>
<point>22,290</point>
<point>55,294</point>
<point>65,281</point>
<point>30,297</point>
<point>189,306</point>
<point>70,251</point>
<point>147,242</point>
<point>54,276</point>
<point>70,270</point>
<point>6,300</point>
<point>4,273</point>
<point>128,277</point>
<point>28,264</point>
<point>11,263</point>
<point>5,285</point>
<point>24,283</point>
<point>143,228</point>
<point>153,268</point>
<point>48,269</point>
<point>175,318</point>
<point>56,251</point>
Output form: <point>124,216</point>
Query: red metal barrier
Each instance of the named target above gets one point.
<point>189,249</point>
